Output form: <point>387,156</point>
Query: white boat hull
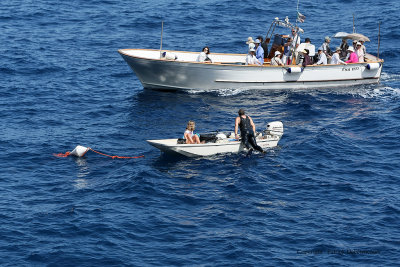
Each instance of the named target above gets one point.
<point>228,72</point>
<point>209,149</point>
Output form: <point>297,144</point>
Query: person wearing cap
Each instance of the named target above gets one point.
<point>322,60</point>
<point>259,51</point>
<point>336,58</point>
<point>247,131</point>
<point>360,52</point>
<point>251,58</point>
<point>294,44</point>
<point>250,42</point>
<point>353,58</point>
<point>296,39</point>
<point>343,49</point>
<point>310,47</point>
<point>276,60</point>
<point>326,49</point>
<point>287,51</point>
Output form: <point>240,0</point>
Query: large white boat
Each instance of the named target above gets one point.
<point>179,70</point>
<point>218,143</point>
<point>228,71</point>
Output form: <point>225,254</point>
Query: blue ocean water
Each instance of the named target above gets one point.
<point>327,195</point>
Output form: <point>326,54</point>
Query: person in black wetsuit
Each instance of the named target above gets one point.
<point>247,131</point>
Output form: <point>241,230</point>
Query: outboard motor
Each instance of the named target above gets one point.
<point>221,136</point>
<point>275,128</point>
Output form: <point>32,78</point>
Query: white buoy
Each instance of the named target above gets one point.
<point>79,151</point>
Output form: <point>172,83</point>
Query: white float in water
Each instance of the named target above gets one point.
<point>79,151</point>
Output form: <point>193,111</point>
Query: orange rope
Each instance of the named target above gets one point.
<point>116,157</point>
<point>62,155</point>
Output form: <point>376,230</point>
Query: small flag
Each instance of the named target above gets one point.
<point>300,17</point>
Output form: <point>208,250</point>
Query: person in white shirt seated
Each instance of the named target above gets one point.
<point>251,58</point>
<point>322,60</point>
<point>336,57</point>
<point>203,56</point>
<point>276,60</point>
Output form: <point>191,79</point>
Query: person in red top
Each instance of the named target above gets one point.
<point>353,58</point>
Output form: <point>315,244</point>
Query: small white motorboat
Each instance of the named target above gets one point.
<point>219,142</point>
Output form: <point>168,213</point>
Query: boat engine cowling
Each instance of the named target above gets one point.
<point>221,136</point>
<point>275,128</point>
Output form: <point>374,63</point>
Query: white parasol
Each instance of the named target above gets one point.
<point>353,36</point>
<point>358,37</point>
<point>340,35</point>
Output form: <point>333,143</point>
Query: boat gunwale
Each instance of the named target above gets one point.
<point>121,51</point>
<point>230,143</point>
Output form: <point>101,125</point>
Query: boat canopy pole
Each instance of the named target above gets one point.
<point>354,27</point>
<point>162,29</point>
<point>379,35</point>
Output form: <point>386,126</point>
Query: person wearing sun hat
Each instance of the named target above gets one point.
<point>276,60</point>
<point>250,42</point>
<point>353,58</point>
<point>306,58</point>
<point>251,58</point>
<point>336,57</point>
<point>360,52</point>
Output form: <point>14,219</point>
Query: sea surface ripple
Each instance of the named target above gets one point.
<point>328,195</point>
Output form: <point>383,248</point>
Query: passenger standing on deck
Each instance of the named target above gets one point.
<point>294,45</point>
<point>355,44</point>
<point>363,47</point>
<point>287,53</point>
<point>264,45</point>
<point>251,58</point>
<point>247,131</point>
<point>360,52</point>
<point>326,49</point>
<point>343,46</point>
<point>311,48</point>
<point>259,51</point>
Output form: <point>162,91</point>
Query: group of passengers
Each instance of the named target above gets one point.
<point>306,55</point>
<point>258,51</point>
<point>292,55</point>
